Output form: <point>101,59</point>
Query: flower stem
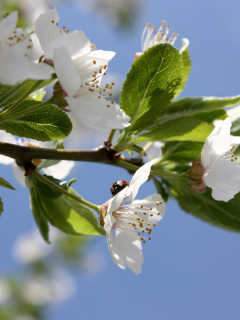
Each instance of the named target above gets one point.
<point>51,184</point>
<point>168,175</point>
<point>111,134</point>
<point>10,109</point>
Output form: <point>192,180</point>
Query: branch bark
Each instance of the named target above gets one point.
<point>23,155</point>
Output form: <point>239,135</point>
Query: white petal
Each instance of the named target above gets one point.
<point>235,141</point>
<point>185,44</point>
<point>94,113</point>
<point>224,179</point>
<point>88,69</point>
<point>60,170</point>
<point>147,203</point>
<point>131,249</point>
<point>46,30</point>
<point>155,150</point>
<point>41,71</point>
<point>6,137</point>
<point>103,57</point>
<point>19,174</point>
<point>140,176</point>
<point>113,205</point>
<point>66,71</point>
<point>13,67</point>
<point>7,25</point>
<point>75,42</point>
<point>115,253</point>
<point>24,46</point>
<point>217,143</point>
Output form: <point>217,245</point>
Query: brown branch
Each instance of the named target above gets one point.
<point>24,155</point>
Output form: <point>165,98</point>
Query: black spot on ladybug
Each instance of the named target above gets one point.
<point>118,186</point>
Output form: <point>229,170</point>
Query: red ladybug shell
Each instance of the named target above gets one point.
<point>118,186</point>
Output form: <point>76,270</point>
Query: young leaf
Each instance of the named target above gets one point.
<point>1,207</point>
<point>10,94</point>
<point>39,218</point>
<point>189,106</point>
<point>182,151</point>
<point>5,184</point>
<point>209,117</point>
<point>70,216</point>
<point>46,123</point>
<point>46,191</point>
<point>219,213</point>
<point>150,85</point>
<point>183,129</point>
<point>186,60</point>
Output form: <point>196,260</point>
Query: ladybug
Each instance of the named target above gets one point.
<point>118,186</point>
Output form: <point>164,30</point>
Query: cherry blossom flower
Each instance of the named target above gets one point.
<point>15,49</point>
<point>151,37</point>
<point>59,171</point>
<point>132,223</point>
<point>79,68</point>
<point>217,168</point>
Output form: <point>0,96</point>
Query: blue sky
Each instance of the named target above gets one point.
<point>191,269</point>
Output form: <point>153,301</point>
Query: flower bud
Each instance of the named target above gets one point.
<point>137,55</point>
<point>103,213</point>
<point>195,175</point>
<point>29,182</point>
<point>59,97</point>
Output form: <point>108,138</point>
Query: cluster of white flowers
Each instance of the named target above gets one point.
<point>70,55</point>
<point>79,68</point>
<point>15,49</point>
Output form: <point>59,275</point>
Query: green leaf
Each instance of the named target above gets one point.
<point>70,183</point>
<point>44,124</point>
<point>182,151</point>
<point>186,60</point>
<point>183,129</point>
<point>70,216</point>
<point>1,207</point>
<point>209,117</point>
<point>150,85</point>
<point>10,94</point>
<point>46,191</point>
<point>39,218</point>
<point>235,129</point>
<point>190,106</point>
<point>219,213</point>
<point>5,184</point>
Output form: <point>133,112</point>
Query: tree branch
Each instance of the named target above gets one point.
<point>24,155</point>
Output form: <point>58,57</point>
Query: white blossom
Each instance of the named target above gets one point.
<point>59,171</point>
<point>152,37</point>
<point>132,223</point>
<point>221,173</point>
<point>79,68</point>
<point>15,49</point>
